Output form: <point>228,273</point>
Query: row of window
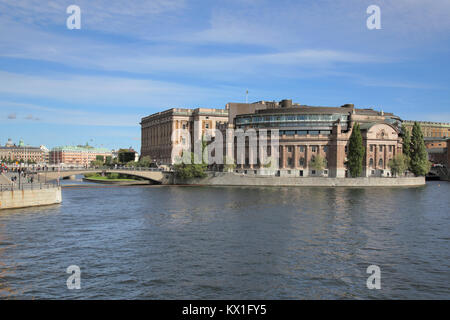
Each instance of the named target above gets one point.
<point>301,162</point>
<point>380,148</point>
<point>313,172</point>
<point>371,162</point>
<point>305,125</point>
<point>302,148</point>
<point>284,118</point>
<point>304,132</point>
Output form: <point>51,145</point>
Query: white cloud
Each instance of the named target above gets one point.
<point>296,35</point>
<point>103,91</point>
<point>49,115</point>
<point>113,16</point>
<point>405,84</point>
<point>27,43</point>
<point>235,28</point>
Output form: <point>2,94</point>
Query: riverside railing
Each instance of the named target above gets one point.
<point>27,186</point>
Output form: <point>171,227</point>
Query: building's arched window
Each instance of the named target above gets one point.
<point>380,162</point>
<point>371,162</point>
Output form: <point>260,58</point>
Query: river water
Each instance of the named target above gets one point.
<point>168,242</point>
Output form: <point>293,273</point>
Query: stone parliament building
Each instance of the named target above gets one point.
<point>304,132</point>
<point>157,129</point>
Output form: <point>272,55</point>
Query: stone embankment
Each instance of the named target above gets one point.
<point>29,195</point>
<point>233,179</point>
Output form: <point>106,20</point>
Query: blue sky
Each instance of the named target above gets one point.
<point>134,58</point>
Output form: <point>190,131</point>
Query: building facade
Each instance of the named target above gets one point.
<point>430,129</point>
<point>437,149</point>
<point>76,155</point>
<point>157,129</point>
<point>22,153</point>
<point>306,131</point>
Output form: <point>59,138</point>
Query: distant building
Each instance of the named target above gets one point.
<point>430,129</point>
<point>77,155</point>
<point>156,129</point>
<point>114,154</point>
<point>45,153</point>
<point>127,155</point>
<point>22,153</point>
<point>437,149</point>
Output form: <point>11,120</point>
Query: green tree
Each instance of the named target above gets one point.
<point>190,170</point>
<point>318,163</point>
<point>126,155</point>
<point>399,164</point>
<point>145,162</point>
<point>419,163</point>
<point>406,142</point>
<point>131,164</point>
<point>356,152</point>
<point>100,158</point>
<point>96,163</point>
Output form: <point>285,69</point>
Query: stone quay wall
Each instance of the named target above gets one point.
<point>233,179</point>
<point>10,199</point>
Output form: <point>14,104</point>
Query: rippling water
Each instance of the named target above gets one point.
<point>166,242</point>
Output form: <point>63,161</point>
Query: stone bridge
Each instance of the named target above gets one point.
<point>154,176</point>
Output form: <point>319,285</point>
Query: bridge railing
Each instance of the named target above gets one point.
<point>97,169</point>
<point>109,169</point>
<point>138,169</point>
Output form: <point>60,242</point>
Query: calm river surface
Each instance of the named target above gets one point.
<point>167,242</point>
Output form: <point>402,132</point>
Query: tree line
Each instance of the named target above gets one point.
<point>125,157</point>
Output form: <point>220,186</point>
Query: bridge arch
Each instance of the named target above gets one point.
<point>157,177</point>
